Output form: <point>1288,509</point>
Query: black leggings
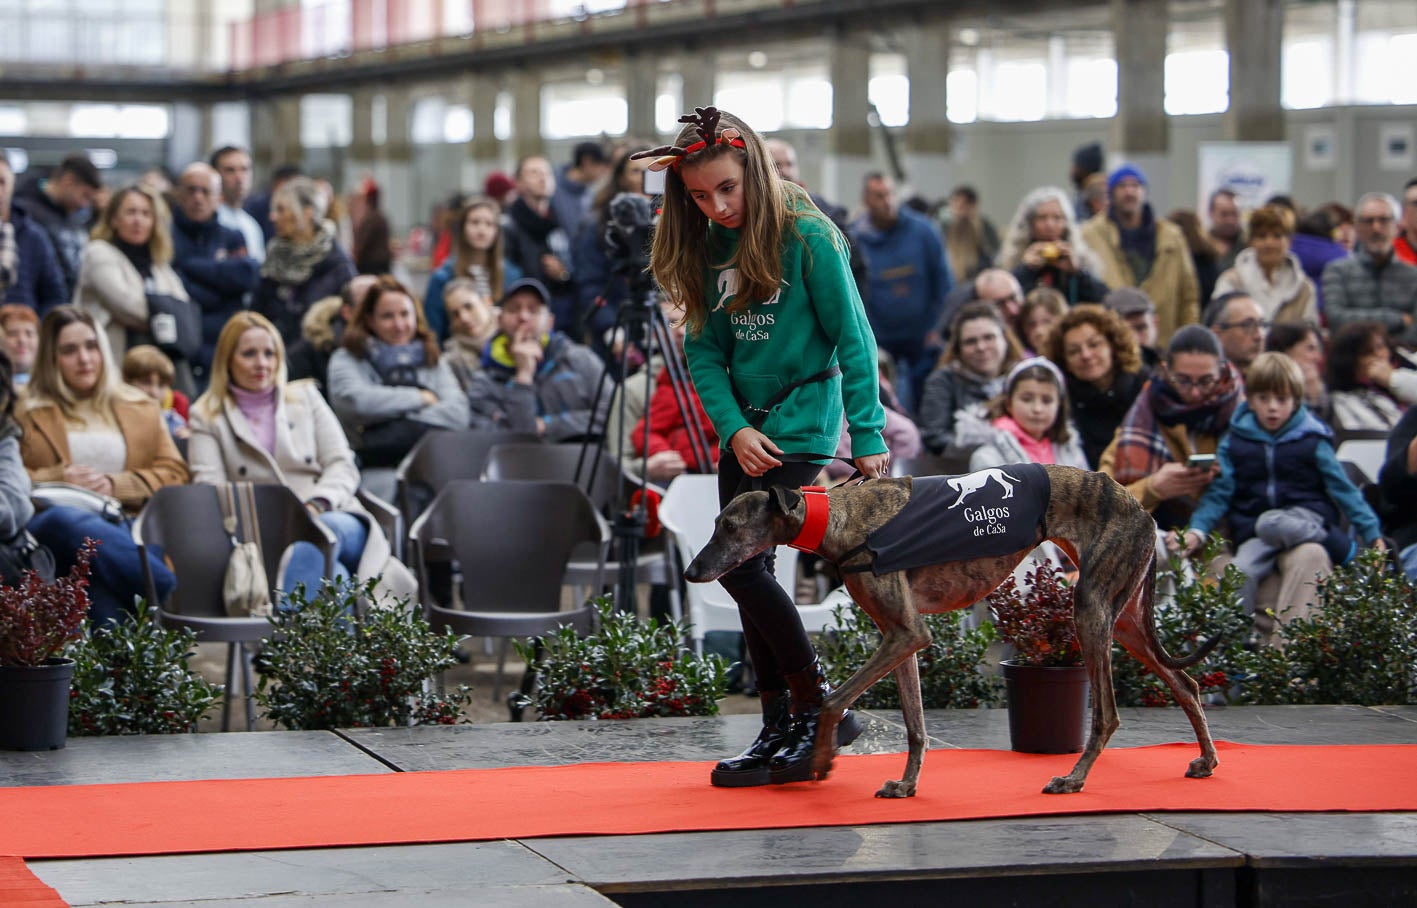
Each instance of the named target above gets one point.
<point>772,626</point>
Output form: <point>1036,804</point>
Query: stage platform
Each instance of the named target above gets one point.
<point>1164,859</point>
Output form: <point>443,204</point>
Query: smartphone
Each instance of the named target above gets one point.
<point>1200,461</point>
<point>653,182</point>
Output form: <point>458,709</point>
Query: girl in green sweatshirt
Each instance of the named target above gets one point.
<point>778,348</point>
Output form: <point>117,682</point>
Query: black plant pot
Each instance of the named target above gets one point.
<point>34,705</point>
<point>1047,707</point>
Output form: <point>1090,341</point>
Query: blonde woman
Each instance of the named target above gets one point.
<point>1043,247</point>
<point>84,427</point>
<point>129,256</point>
<point>254,426</point>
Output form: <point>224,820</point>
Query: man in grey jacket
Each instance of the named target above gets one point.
<point>1373,285</point>
<point>533,379</point>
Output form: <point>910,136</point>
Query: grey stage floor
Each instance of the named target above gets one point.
<point>1160,859</point>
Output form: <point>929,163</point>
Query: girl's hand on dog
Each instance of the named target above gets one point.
<point>873,466</point>
<point>754,451</point>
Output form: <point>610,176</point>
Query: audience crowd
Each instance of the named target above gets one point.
<point>1211,362</point>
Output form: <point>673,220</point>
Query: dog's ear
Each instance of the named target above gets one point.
<point>784,499</point>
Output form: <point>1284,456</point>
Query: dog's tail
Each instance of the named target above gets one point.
<point>1148,607</point>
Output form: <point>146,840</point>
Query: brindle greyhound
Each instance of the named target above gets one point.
<point>1092,518</point>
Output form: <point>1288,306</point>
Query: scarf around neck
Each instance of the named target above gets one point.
<point>291,263</point>
<point>1141,444</point>
<point>397,364</point>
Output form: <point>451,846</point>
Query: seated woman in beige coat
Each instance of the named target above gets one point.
<point>84,427</point>
<point>254,426</point>
<point>129,256</point>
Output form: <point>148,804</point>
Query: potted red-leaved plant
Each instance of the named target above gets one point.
<point>1045,680</point>
<point>37,620</point>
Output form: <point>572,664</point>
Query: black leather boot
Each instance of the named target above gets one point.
<point>793,762</point>
<point>751,766</point>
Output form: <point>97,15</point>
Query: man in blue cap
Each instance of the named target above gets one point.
<point>1139,249</point>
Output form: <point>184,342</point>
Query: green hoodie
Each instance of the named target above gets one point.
<point>814,320</point>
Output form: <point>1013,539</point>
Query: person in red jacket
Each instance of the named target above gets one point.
<point>668,430</point>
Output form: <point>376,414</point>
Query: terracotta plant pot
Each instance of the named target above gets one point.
<point>34,705</point>
<point>1048,711</point>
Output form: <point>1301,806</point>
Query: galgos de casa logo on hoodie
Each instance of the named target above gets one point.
<point>748,325</point>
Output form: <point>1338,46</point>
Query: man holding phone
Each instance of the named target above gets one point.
<point>1164,450</point>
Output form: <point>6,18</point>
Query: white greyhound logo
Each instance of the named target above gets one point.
<point>969,484</point>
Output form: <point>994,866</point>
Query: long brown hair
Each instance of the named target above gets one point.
<point>681,254</point>
<point>464,256</point>
<point>357,333</point>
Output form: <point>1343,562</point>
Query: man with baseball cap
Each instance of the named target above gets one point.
<point>1139,249</point>
<point>1139,312</point>
<point>535,379</point>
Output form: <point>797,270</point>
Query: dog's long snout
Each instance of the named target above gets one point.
<point>702,569</point>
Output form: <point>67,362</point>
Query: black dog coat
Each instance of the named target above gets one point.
<point>955,518</point>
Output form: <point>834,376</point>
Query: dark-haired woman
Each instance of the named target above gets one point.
<point>1368,392</point>
<point>971,373</point>
<point>1305,345</point>
<point>388,384</point>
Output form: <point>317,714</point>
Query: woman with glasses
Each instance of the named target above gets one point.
<point>1044,248</point>
<point>1181,412</point>
<point>1269,273</point>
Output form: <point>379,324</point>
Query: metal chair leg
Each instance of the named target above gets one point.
<point>247,689</point>
<point>230,683</point>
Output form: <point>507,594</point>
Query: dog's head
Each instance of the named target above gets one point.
<point>750,524</point>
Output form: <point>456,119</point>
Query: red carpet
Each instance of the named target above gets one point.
<point>628,798</point>
<point>23,889</point>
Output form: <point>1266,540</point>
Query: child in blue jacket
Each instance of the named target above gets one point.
<point>1280,483</point>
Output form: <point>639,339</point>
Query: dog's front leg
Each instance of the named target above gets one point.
<point>912,707</point>
<point>887,600</point>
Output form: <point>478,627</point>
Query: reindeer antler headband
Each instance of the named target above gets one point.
<point>705,120</point>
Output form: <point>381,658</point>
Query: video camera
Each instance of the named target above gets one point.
<point>628,237</point>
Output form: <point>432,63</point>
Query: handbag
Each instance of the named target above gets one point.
<point>175,325</point>
<point>21,553</point>
<point>64,494</point>
<point>245,590</point>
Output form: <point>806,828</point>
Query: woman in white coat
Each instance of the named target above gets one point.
<point>129,256</point>
<point>253,426</point>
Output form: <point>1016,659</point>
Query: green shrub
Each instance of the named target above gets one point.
<point>1359,645</point>
<point>950,675</point>
<point>1199,609</point>
<point>626,669</point>
<point>322,669</point>
<point>133,678</point>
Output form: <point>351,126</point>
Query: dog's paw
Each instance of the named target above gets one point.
<point>822,764</point>
<point>1062,785</point>
<point>1200,768</point>
<point>894,789</point>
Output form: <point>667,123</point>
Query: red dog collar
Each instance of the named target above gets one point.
<point>814,527</point>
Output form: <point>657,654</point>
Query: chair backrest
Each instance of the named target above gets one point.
<point>442,456</point>
<point>1367,454</point>
<point>542,462</point>
<point>512,540</point>
<point>688,511</point>
<point>186,521</point>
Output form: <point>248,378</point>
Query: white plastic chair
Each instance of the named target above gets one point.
<point>687,513</point>
<point>1367,454</point>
